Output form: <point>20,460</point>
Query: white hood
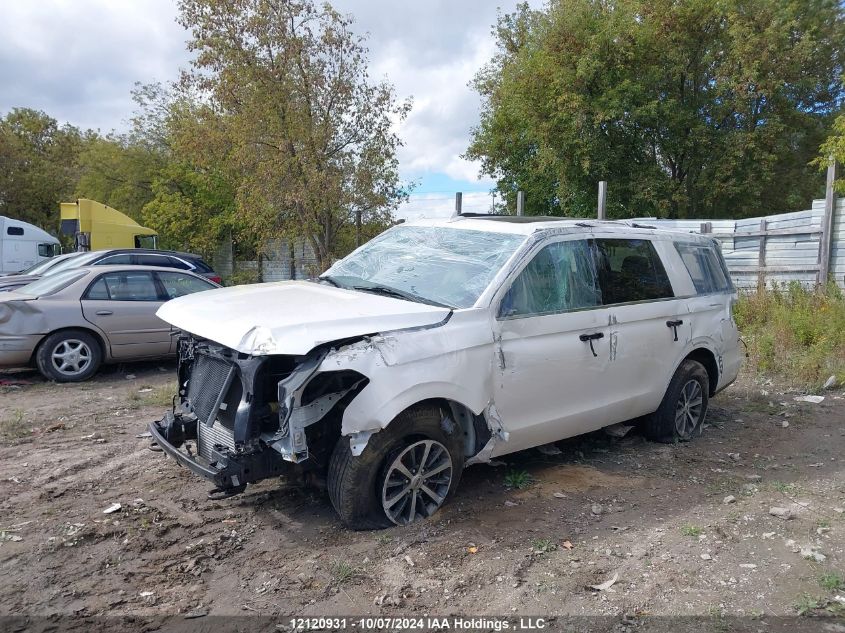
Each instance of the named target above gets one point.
<point>291,317</point>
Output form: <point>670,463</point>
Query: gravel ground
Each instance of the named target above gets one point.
<point>743,526</point>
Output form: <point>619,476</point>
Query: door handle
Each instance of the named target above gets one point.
<point>591,337</point>
<point>674,325</point>
<point>104,312</point>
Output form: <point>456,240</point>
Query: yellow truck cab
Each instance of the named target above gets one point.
<point>95,226</point>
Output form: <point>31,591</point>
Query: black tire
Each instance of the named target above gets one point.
<point>663,425</point>
<point>90,356</point>
<point>356,483</point>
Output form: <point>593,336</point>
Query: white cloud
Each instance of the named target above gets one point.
<point>79,59</point>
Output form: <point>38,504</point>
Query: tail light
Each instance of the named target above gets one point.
<point>216,279</point>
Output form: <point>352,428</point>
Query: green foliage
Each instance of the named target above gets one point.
<point>118,172</point>
<point>688,109</point>
<point>806,604</point>
<point>39,166</point>
<point>834,147</point>
<point>310,135</point>
<point>691,530</point>
<point>794,333</point>
<point>543,545</point>
<point>832,581</point>
<point>518,479</point>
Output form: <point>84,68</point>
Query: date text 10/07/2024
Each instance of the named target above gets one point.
<point>427,623</point>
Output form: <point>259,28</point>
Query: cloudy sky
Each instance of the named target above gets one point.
<point>78,60</point>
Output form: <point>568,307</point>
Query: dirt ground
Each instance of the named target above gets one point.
<point>683,529</point>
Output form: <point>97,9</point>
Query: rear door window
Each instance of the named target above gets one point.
<point>630,270</point>
<point>113,260</point>
<point>161,261</point>
<point>705,266</point>
<point>124,286</point>
<point>176,285</point>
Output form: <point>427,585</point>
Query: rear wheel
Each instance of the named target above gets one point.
<point>69,356</point>
<point>684,405</point>
<point>405,473</point>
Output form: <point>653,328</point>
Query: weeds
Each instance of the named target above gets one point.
<point>343,572</point>
<point>691,530</point>
<point>832,581</point>
<point>543,545</point>
<point>518,479</point>
<point>784,488</point>
<point>806,603</point>
<point>13,427</point>
<point>795,333</point>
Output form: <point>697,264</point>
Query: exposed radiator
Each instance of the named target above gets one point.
<point>208,436</point>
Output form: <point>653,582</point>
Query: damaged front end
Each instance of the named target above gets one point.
<point>253,417</point>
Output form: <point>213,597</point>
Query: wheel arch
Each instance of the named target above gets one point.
<point>707,358</point>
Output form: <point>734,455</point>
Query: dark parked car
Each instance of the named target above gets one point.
<point>119,256</point>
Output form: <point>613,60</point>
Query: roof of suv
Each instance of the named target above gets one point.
<point>529,224</point>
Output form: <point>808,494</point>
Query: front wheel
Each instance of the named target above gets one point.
<point>684,405</point>
<point>405,473</point>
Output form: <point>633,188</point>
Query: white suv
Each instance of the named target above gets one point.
<point>445,343</point>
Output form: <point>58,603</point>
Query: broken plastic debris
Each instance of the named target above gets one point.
<point>607,584</point>
<point>558,495</point>
<point>812,399</point>
<point>830,383</point>
<point>146,594</point>
<point>112,508</point>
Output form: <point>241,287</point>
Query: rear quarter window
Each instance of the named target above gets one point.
<point>705,266</point>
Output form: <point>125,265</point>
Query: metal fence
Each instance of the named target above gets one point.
<point>804,246</point>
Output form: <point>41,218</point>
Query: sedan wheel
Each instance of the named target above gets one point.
<point>417,482</point>
<point>71,357</point>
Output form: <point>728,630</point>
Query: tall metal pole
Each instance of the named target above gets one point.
<point>459,199</point>
<point>602,208</point>
<point>520,203</point>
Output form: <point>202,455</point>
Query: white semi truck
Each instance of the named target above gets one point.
<point>23,245</point>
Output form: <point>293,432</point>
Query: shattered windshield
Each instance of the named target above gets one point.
<point>431,264</point>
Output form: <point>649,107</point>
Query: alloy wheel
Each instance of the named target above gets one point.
<point>417,482</point>
<point>688,410</point>
<point>71,357</point>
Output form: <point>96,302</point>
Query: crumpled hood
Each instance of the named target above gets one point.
<point>291,317</point>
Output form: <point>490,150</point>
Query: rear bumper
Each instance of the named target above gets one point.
<point>226,471</point>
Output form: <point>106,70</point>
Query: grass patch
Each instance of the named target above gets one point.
<point>12,426</point>
<point>832,581</point>
<point>805,604</point>
<point>784,488</point>
<point>543,545</point>
<point>795,333</point>
<point>518,479</point>
<point>691,530</point>
<point>343,572</point>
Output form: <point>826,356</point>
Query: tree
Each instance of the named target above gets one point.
<point>38,166</point>
<point>689,109</point>
<point>834,147</point>
<point>305,126</point>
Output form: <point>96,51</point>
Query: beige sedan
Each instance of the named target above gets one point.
<point>69,323</point>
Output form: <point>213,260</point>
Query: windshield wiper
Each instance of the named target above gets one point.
<point>400,294</point>
<point>330,280</point>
